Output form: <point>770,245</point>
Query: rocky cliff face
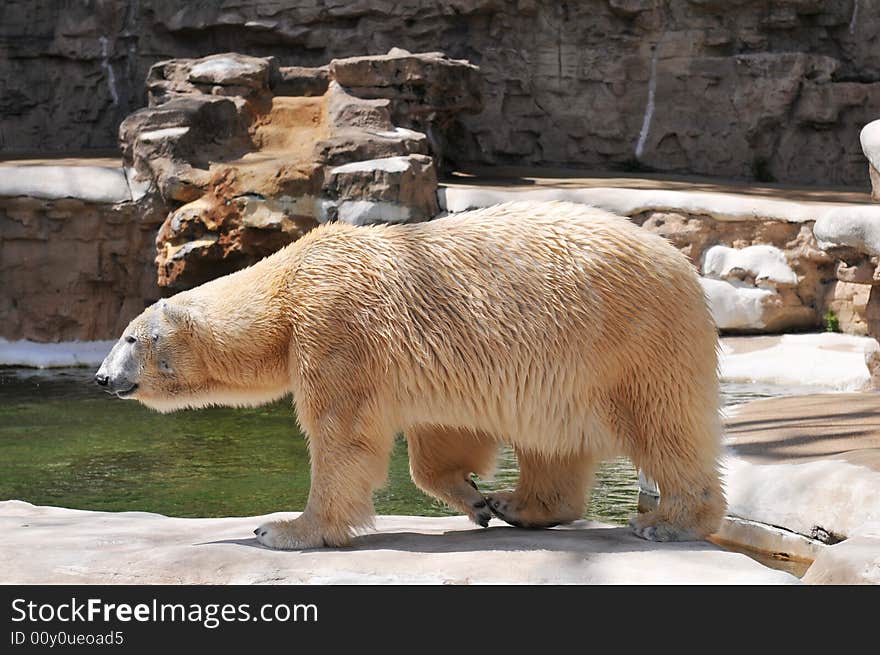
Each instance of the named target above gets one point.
<point>74,269</point>
<point>756,89</point>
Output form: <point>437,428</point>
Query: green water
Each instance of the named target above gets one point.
<point>63,442</point>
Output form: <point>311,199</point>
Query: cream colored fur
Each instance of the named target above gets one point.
<point>561,329</point>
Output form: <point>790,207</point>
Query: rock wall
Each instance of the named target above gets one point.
<point>756,89</point>
<point>72,269</point>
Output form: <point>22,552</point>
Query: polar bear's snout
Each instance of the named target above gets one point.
<point>118,371</point>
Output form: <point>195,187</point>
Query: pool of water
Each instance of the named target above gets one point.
<point>63,442</point>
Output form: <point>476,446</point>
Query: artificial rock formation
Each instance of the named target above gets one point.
<point>73,268</point>
<point>247,156</point>
<point>852,236</point>
<point>753,88</point>
<point>761,275</point>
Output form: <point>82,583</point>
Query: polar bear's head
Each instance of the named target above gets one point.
<point>156,360</point>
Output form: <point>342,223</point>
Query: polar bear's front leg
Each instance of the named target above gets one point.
<point>346,466</point>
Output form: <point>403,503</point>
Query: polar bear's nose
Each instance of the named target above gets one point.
<point>102,379</point>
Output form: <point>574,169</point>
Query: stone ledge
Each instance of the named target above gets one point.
<point>854,561</point>
<point>97,184</point>
<point>40,545</point>
<point>809,466</point>
<point>628,202</point>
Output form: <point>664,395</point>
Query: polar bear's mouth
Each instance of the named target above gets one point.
<point>125,393</point>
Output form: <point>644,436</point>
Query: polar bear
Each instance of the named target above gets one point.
<point>560,329</point>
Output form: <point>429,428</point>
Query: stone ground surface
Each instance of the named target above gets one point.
<point>822,360</point>
<point>810,466</point>
<point>41,545</point>
<point>802,429</point>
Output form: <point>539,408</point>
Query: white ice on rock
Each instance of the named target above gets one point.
<point>833,494</point>
<point>96,184</point>
<point>366,212</point>
<point>766,264</point>
<point>735,306</point>
<point>53,355</point>
<point>385,164</point>
<point>855,226</point>
<point>225,70</point>
<point>628,202</point>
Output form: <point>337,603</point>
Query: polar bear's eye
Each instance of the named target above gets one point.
<point>130,339</point>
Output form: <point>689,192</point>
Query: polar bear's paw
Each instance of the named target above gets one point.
<point>658,530</point>
<point>525,513</point>
<point>295,535</point>
<point>480,513</point>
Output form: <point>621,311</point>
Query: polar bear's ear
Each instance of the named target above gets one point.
<point>176,314</point>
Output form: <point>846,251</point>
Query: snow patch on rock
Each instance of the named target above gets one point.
<point>96,184</point>
<point>854,226</point>
<point>829,360</point>
<point>628,202</point>
<point>53,355</point>
<point>366,212</point>
<point>833,496</point>
<point>735,306</point>
<point>386,164</point>
<point>765,264</point>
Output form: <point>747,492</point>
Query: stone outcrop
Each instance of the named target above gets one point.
<point>754,89</point>
<point>244,167</point>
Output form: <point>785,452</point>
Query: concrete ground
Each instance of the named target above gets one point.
<point>801,429</point>
<point>42,545</point>
<point>803,476</point>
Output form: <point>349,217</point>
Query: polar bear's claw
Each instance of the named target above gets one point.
<point>660,531</point>
<point>482,514</point>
